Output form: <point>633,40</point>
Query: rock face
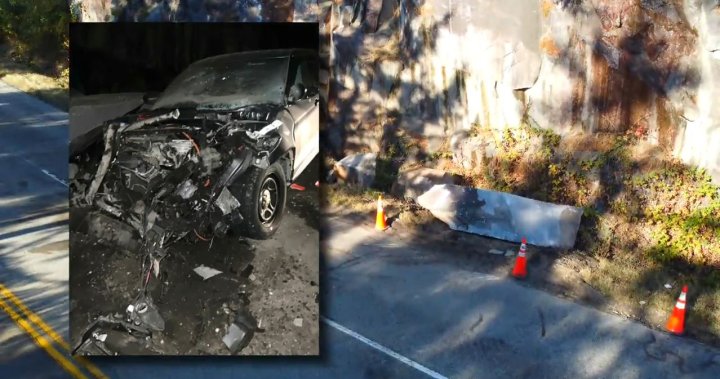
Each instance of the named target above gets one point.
<point>504,216</point>
<point>413,183</point>
<point>437,68</point>
<point>698,142</point>
<point>644,67</point>
<point>463,62</point>
<point>471,152</point>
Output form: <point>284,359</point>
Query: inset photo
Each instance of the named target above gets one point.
<point>194,210</point>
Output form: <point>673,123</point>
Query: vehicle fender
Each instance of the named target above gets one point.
<point>286,147</point>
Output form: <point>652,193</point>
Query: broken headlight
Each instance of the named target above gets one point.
<point>269,142</point>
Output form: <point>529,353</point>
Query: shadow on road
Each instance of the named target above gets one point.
<point>455,310</point>
<point>33,215</point>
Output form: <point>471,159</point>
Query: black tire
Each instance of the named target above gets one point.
<point>249,190</point>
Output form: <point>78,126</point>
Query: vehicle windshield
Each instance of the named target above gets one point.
<point>226,82</point>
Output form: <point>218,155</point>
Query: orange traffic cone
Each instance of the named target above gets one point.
<point>520,269</point>
<point>380,220</point>
<point>676,323</point>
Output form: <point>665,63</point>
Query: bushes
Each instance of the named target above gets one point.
<point>666,209</point>
<point>37,30</point>
<point>683,208</point>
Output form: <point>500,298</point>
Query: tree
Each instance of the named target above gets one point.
<point>36,30</point>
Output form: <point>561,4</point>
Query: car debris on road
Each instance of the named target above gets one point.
<point>241,331</point>
<point>200,161</point>
<point>206,272</point>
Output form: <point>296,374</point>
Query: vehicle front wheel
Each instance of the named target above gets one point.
<point>262,195</point>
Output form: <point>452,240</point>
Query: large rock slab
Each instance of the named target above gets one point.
<point>357,169</point>
<point>503,215</point>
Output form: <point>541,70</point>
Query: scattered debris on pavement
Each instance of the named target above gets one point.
<point>298,322</point>
<point>206,272</point>
<point>241,331</point>
<point>106,279</point>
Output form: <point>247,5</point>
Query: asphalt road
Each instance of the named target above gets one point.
<point>392,308</point>
<point>425,303</point>
<point>33,230</point>
<point>275,280</point>
<point>395,309</point>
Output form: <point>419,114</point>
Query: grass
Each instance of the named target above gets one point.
<point>355,199</point>
<point>342,199</point>
<point>52,90</point>
<point>349,199</point>
<point>637,285</point>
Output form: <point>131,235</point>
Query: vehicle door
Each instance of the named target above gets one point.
<point>305,111</point>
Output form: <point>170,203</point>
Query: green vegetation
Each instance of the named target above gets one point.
<point>648,219</point>
<point>396,147</point>
<point>439,155</point>
<point>682,207</point>
<point>36,31</point>
<point>75,11</point>
<point>677,206</point>
<point>350,198</point>
<point>34,48</point>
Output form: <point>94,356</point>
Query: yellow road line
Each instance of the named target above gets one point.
<point>30,315</point>
<point>42,342</point>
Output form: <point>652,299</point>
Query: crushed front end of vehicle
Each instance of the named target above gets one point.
<point>171,174</point>
<point>168,174</point>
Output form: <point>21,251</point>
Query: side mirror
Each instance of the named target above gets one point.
<point>297,92</point>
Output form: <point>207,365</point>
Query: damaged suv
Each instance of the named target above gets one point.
<point>216,151</point>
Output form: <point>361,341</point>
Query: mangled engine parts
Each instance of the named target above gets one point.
<point>144,313</point>
<point>168,175</point>
<point>163,177</point>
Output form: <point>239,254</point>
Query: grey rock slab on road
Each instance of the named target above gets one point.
<point>503,215</point>
<point>357,169</point>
